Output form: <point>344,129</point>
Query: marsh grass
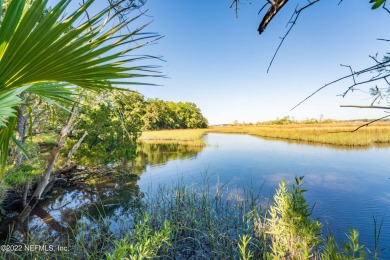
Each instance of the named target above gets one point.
<point>338,134</point>
<point>190,137</point>
<point>331,134</point>
<point>206,223</point>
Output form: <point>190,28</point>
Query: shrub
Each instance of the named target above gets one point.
<point>143,242</point>
<point>350,250</point>
<point>292,233</point>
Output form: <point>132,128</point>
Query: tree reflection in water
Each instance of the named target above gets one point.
<point>107,198</point>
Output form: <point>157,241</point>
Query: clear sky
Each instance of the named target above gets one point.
<point>220,62</point>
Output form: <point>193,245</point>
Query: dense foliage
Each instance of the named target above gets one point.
<point>110,123</point>
<point>161,114</point>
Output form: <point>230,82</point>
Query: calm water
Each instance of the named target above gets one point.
<point>348,187</point>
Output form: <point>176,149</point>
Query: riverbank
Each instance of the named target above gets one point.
<point>340,134</point>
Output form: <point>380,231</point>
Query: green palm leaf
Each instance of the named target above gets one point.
<point>6,134</point>
<point>8,101</point>
<point>48,55</point>
<point>53,93</point>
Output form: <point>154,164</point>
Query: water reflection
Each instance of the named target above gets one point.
<point>112,195</point>
<point>150,154</point>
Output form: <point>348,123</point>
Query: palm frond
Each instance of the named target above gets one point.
<point>55,92</point>
<point>6,134</point>
<point>44,51</point>
<point>8,101</point>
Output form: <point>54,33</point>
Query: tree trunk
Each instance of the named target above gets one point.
<point>74,149</point>
<point>45,179</point>
<point>25,194</point>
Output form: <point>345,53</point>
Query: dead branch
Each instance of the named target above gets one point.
<point>363,82</point>
<point>74,149</point>
<point>276,6</point>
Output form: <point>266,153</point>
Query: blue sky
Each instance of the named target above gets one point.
<point>220,62</point>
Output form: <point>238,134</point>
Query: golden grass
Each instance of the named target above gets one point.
<point>191,137</point>
<point>329,134</point>
<point>333,134</point>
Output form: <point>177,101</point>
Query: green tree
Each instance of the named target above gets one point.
<point>161,114</point>
<point>113,122</point>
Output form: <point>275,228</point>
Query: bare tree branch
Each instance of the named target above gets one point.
<point>376,67</point>
<point>235,4</point>
<point>74,149</point>
<point>386,40</point>
<point>363,82</point>
<point>261,9</point>
<point>367,124</point>
<point>384,7</point>
<point>357,106</point>
<point>352,72</point>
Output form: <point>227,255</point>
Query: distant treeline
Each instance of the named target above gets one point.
<point>287,120</point>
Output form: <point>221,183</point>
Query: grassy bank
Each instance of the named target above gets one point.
<point>331,133</point>
<point>187,222</point>
<point>191,137</point>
